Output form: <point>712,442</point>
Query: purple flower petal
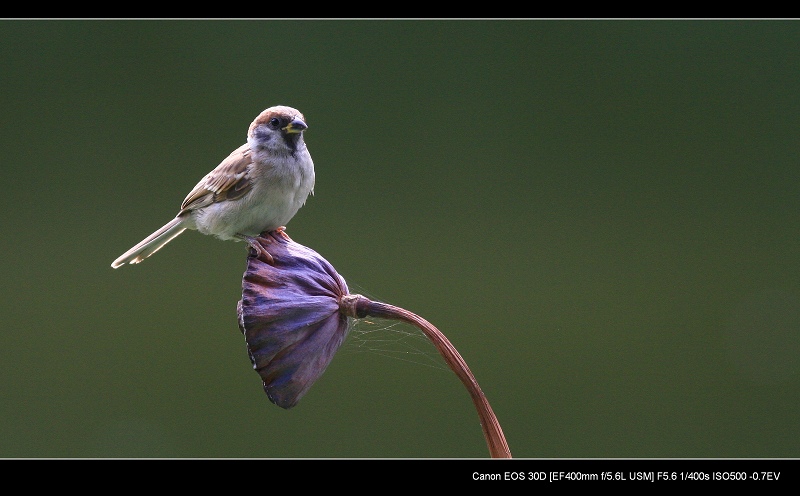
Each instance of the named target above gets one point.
<point>289,315</point>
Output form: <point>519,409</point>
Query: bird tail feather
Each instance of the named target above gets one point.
<point>151,244</point>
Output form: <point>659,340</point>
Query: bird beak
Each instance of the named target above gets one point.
<point>296,126</point>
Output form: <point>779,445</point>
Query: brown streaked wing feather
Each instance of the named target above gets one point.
<point>228,181</point>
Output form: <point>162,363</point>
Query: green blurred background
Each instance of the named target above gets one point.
<point>602,216</point>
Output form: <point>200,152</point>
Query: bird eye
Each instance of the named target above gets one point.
<point>274,123</point>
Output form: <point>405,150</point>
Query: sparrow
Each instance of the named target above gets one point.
<point>258,188</point>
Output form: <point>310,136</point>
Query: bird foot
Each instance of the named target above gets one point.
<point>281,231</point>
<point>255,245</point>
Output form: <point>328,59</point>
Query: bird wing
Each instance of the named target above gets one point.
<point>228,181</point>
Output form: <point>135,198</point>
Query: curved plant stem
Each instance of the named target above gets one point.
<point>359,306</point>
